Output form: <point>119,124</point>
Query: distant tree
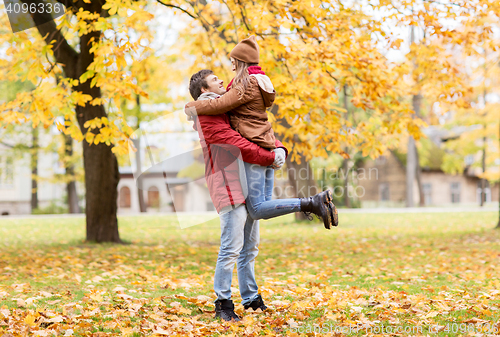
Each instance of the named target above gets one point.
<point>150,73</point>
<point>9,90</point>
<point>477,146</point>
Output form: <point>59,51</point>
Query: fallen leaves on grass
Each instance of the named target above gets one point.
<point>166,315</point>
<point>365,281</point>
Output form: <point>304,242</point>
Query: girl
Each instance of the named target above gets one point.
<point>248,96</point>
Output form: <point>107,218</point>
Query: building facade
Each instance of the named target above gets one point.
<point>386,186</point>
<point>163,188</point>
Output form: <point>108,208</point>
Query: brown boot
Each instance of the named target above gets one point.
<point>321,205</point>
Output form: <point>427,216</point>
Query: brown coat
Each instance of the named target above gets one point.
<point>248,112</point>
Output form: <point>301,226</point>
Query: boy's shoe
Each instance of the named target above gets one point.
<point>257,303</point>
<point>225,310</point>
<point>320,205</point>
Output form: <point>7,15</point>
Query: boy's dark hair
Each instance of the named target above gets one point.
<point>198,81</point>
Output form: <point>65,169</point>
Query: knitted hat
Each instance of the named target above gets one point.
<point>247,51</point>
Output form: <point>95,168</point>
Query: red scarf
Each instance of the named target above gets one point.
<point>251,70</point>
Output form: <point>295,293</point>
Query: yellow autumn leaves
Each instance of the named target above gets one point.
<point>311,51</point>
<point>56,97</point>
<point>380,270</point>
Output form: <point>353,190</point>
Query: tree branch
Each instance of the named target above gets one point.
<point>5,144</point>
<point>243,16</point>
<point>330,74</point>
<point>63,53</point>
<point>234,21</point>
<point>206,25</point>
<point>177,7</point>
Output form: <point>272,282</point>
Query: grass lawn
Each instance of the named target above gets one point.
<point>431,274</point>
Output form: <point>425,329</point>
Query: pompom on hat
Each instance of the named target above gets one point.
<point>247,51</point>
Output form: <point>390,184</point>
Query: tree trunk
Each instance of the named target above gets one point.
<point>483,159</point>
<point>101,181</point>
<point>73,205</point>
<point>345,164</point>
<point>498,224</point>
<point>415,171</point>
<point>34,169</point>
<point>72,195</point>
<point>410,171</point>
<point>483,164</point>
<point>345,168</point>
<point>138,160</point>
<point>99,162</point>
<point>101,166</point>
<point>418,174</point>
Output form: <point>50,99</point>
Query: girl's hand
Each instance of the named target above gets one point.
<point>279,158</point>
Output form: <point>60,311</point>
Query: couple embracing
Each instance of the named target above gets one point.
<point>241,153</point>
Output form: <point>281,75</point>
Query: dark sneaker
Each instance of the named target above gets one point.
<point>257,303</point>
<point>320,206</point>
<point>225,309</point>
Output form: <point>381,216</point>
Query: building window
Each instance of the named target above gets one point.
<point>455,192</point>
<point>6,171</point>
<point>469,159</point>
<point>153,197</point>
<point>383,190</point>
<point>487,192</point>
<point>427,189</point>
<point>124,197</point>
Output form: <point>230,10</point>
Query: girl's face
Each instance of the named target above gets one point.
<point>233,64</point>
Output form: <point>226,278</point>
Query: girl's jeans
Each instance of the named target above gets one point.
<point>260,180</point>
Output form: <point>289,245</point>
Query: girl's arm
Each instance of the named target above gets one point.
<point>227,102</point>
<point>218,132</point>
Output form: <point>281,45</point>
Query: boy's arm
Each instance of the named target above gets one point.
<point>217,131</point>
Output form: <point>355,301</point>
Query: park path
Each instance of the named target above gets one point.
<point>381,210</point>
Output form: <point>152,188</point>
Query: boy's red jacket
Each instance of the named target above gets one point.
<point>222,146</point>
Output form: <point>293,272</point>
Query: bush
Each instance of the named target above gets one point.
<point>53,208</point>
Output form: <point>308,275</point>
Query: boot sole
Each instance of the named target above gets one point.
<point>327,200</point>
<point>334,214</point>
<point>334,217</point>
<point>328,197</point>
<point>219,316</point>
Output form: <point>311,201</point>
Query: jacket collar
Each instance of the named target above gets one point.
<point>252,70</point>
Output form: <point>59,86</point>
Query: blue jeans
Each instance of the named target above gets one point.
<point>260,180</point>
<point>239,243</point>
<point>240,232</point>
